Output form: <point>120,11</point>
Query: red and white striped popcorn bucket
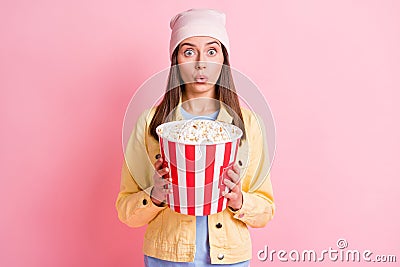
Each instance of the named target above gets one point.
<point>198,170</point>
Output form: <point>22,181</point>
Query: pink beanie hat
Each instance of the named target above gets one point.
<point>198,22</point>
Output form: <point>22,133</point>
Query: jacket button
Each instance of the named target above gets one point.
<point>218,225</point>
<point>240,163</point>
<point>220,256</point>
<point>144,201</point>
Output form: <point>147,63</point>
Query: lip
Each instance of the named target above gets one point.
<point>201,78</point>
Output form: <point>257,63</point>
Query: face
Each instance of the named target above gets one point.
<point>200,60</point>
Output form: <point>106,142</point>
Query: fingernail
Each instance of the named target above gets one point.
<point>166,169</point>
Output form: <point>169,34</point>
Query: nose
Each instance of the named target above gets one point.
<point>200,63</point>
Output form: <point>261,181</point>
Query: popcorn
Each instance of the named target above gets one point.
<point>199,154</point>
<point>199,131</point>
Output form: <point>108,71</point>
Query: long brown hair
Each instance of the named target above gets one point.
<point>224,88</point>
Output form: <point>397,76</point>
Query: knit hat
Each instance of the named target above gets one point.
<point>198,22</point>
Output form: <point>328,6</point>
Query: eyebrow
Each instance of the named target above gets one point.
<point>209,43</point>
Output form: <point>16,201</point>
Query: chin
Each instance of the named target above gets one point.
<point>201,88</point>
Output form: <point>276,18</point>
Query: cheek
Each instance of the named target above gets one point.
<point>219,59</point>
<point>179,59</point>
<point>185,71</point>
<point>221,64</point>
<point>215,69</point>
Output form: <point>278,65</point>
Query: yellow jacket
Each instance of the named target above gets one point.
<point>170,235</point>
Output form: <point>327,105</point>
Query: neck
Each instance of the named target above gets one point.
<point>200,104</point>
<point>189,94</point>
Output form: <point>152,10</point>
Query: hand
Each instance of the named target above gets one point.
<point>235,196</point>
<point>161,185</point>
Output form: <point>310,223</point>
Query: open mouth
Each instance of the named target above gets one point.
<point>201,79</point>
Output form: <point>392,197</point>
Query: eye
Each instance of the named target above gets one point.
<point>212,52</point>
<point>188,52</point>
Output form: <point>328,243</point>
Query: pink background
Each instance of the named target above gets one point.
<point>330,71</point>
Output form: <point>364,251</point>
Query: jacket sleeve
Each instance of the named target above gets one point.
<point>258,202</point>
<point>133,204</point>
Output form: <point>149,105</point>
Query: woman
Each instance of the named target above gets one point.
<point>200,84</point>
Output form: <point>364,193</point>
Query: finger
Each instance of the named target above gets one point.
<point>233,176</point>
<point>165,182</point>
<point>229,195</point>
<point>161,190</point>
<point>236,189</point>
<point>167,190</point>
<point>163,172</point>
<point>160,181</point>
<point>158,163</point>
<point>229,184</point>
<point>236,169</point>
<point>233,187</point>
